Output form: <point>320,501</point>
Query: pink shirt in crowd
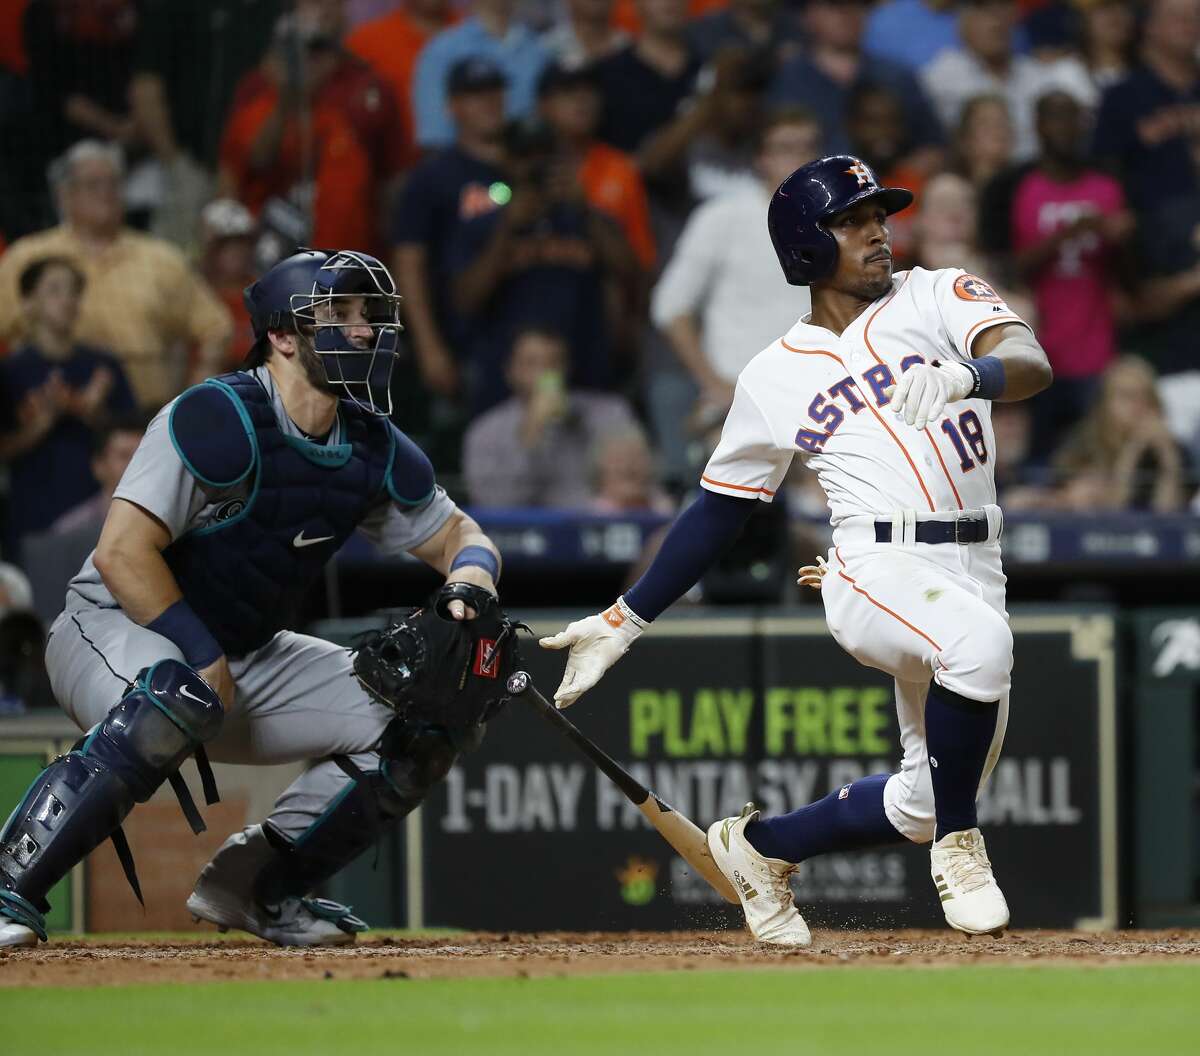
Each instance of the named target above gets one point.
<point>1072,292</point>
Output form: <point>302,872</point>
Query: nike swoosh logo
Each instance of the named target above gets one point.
<point>192,696</point>
<point>300,541</point>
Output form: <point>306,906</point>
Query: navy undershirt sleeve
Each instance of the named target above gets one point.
<point>700,535</point>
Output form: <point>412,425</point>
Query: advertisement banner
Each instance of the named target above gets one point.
<point>711,713</point>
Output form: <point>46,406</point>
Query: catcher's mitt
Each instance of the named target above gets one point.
<point>448,672</point>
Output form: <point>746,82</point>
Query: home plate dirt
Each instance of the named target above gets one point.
<point>65,963</point>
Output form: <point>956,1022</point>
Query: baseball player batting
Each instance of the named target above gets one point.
<point>884,391</point>
<point>174,639</point>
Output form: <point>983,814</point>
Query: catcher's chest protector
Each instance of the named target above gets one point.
<point>246,575</point>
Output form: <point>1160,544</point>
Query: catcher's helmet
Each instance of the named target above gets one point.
<point>811,195</point>
<point>302,291</point>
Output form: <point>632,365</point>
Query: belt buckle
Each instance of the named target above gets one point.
<point>958,520</point>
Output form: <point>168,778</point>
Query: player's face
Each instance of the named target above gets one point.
<point>864,267</point>
<point>350,315</point>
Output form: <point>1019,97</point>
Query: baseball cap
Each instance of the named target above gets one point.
<point>226,218</point>
<point>559,78</point>
<point>475,74</point>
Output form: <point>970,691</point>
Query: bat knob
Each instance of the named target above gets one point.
<point>518,682</point>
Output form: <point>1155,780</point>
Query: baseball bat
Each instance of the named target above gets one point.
<point>677,830</point>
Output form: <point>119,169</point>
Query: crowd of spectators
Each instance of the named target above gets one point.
<point>571,194</point>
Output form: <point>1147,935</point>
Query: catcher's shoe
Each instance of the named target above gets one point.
<point>761,883</point>
<point>14,934</point>
<point>971,898</point>
<point>224,896</point>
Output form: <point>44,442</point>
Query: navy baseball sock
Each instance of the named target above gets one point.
<point>846,820</point>
<point>958,733</point>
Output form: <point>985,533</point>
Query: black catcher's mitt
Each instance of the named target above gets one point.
<point>448,672</point>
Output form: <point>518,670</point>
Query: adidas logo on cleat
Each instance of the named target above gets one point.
<point>744,886</point>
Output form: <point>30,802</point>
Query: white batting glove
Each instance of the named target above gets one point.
<point>924,390</point>
<point>596,643</point>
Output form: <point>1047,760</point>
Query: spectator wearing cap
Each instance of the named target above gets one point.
<point>569,102</point>
<point>721,298</point>
<point>491,32</point>
<point>447,189</point>
<point>545,259</point>
<point>54,392</point>
<point>390,44</point>
<point>987,62</point>
<point>535,448</point>
<point>766,27</point>
<point>1146,127</point>
<point>585,35</point>
<point>313,132</point>
<point>834,64</point>
<point>141,300</point>
<point>227,247</point>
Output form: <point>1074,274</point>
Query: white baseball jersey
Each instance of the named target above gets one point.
<point>821,395</point>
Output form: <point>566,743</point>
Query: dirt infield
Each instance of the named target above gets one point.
<point>65,963</point>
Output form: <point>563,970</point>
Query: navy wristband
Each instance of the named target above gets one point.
<point>989,378</point>
<point>180,624</point>
<point>480,557</point>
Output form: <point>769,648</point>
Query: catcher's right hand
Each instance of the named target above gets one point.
<point>596,643</point>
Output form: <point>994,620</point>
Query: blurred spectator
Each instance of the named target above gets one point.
<point>113,445</point>
<point>584,35</point>
<point>390,44</point>
<point>12,45</point>
<point>227,239</point>
<point>54,391</point>
<point>545,259</point>
<point>987,62</point>
<point>190,56</point>
<point>16,595</point>
<point>877,131</point>
<point>1122,456</point>
<point>1019,486</point>
<point>1147,125</point>
<point>722,299</point>
<point>492,32</point>
<point>445,191</point>
<point>1068,223</point>
<point>834,64</point>
<point>624,476</point>
<point>645,83</point>
<point>534,449</point>
<point>80,55</point>
<point>984,142</point>
<point>313,136</point>
<point>1108,32</point>
<point>569,102</point>
<point>141,300</point>
<point>911,32</point>
<point>767,27</point>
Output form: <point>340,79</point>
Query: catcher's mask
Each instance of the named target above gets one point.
<point>346,303</point>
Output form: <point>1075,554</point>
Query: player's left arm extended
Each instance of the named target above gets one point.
<point>1007,364</point>
<point>1026,370</point>
<point>461,551</point>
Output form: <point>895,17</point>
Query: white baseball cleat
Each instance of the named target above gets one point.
<point>224,896</point>
<point>971,898</point>
<point>14,934</point>
<point>761,883</point>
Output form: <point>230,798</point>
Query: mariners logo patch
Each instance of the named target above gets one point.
<point>229,509</point>
<point>973,288</point>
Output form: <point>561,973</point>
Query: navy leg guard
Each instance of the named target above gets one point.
<point>81,798</point>
<point>414,757</point>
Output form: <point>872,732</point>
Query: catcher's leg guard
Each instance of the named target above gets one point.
<point>414,756</point>
<point>81,798</point>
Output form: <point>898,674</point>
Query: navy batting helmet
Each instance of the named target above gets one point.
<point>307,291</point>
<point>810,196</point>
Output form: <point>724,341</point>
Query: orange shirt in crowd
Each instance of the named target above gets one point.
<point>625,14</point>
<point>351,148</point>
<point>12,37</point>
<point>390,45</point>
<point>612,184</point>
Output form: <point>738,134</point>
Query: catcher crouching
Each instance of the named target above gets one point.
<point>175,640</point>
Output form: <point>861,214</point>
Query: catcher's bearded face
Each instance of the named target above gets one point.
<point>864,264</point>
